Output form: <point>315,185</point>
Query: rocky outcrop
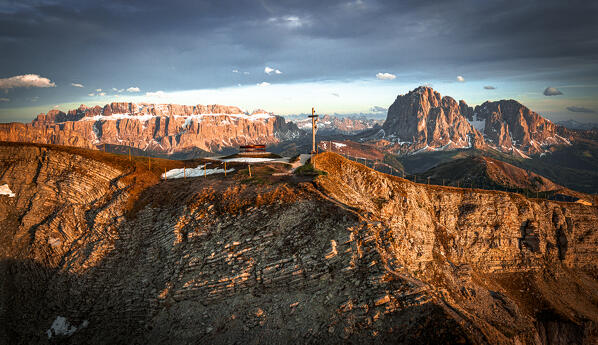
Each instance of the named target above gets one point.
<point>423,120</point>
<point>158,128</point>
<point>509,125</point>
<point>361,257</point>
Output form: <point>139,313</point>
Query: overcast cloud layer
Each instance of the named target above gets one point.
<point>152,46</point>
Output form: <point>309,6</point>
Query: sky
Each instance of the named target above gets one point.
<point>287,56</point>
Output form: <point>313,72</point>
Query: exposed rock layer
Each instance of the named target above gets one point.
<point>424,120</point>
<point>160,128</point>
<point>362,258</point>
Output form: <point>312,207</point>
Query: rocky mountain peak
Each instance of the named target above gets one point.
<point>422,119</point>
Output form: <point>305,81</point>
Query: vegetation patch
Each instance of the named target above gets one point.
<point>308,169</point>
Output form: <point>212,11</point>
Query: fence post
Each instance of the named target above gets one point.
<point>205,172</point>
<point>249,168</point>
<point>224,168</point>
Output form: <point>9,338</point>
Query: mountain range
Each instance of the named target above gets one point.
<point>156,128</point>
<point>423,120</point>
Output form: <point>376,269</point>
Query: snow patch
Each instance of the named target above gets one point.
<point>5,190</point>
<point>339,145</point>
<point>249,160</point>
<point>61,326</point>
<point>478,124</point>
<point>193,172</point>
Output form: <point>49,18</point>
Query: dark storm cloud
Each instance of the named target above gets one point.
<point>580,109</point>
<point>195,44</point>
<point>489,88</point>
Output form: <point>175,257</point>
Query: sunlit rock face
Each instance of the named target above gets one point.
<point>160,128</point>
<point>354,256</point>
<point>424,120</point>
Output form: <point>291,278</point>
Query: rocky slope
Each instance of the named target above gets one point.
<point>489,173</point>
<point>423,120</point>
<point>158,128</point>
<point>356,257</point>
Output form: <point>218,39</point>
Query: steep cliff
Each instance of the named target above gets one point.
<point>509,125</point>
<point>159,128</point>
<point>424,120</point>
<point>356,257</point>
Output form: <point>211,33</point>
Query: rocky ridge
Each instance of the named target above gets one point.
<point>158,128</point>
<point>356,257</point>
<point>489,173</point>
<point>423,120</point>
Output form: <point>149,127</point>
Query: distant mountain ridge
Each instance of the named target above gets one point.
<point>423,120</point>
<point>342,125</point>
<point>158,128</point>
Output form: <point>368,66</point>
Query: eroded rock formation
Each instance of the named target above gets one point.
<point>357,257</point>
<point>424,120</point>
<point>159,128</point>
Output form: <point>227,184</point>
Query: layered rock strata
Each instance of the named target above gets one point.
<point>159,128</point>
<point>423,120</point>
<point>357,257</point>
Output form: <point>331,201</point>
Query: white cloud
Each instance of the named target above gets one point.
<point>378,109</point>
<point>56,106</point>
<point>77,85</point>
<point>246,73</point>
<point>264,83</point>
<point>157,94</point>
<point>289,21</point>
<point>4,99</point>
<point>270,70</point>
<point>98,90</point>
<point>27,80</point>
<point>460,79</point>
<point>235,71</point>
<point>133,89</point>
<point>34,99</point>
<point>102,94</point>
<point>552,91</point>
<point>91,94</point>
<point>385,76</point>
